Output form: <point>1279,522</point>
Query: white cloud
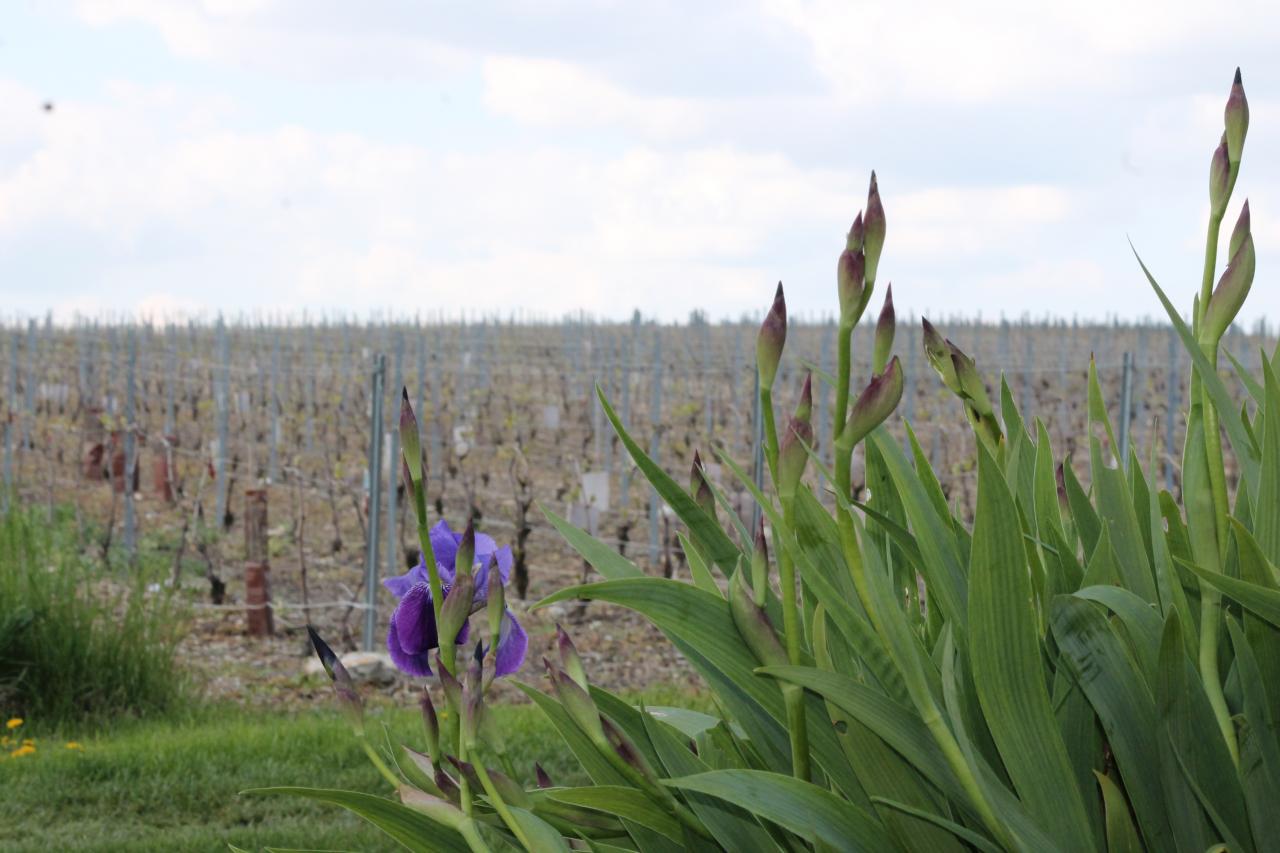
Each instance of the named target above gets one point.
<point>969,220</point>
<point>987,49</point>
<point>554,93</point>
<point>293,41</point>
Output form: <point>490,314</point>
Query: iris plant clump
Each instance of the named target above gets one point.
<point>1082,666</point>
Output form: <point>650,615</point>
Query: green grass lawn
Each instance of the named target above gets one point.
<point>174,785</point>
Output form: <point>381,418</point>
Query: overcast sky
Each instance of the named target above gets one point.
<point>282,155</point>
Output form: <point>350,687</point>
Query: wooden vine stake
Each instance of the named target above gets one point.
<point>257,570</point>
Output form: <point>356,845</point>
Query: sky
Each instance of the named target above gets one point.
<point>173,158</point>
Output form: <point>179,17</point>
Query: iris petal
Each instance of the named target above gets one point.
<point>415,620</point>
<point>418,665</point>
<point>513,644</point>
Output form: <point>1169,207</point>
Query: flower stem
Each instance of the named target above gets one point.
<point>770,433</point>
<point>1210,598</point>
<point>797,727</point>
<point>843,374</point>
<point>379,763</point>
<point>500,805</point>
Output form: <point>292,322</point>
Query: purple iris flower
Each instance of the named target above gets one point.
<point>413,635</point>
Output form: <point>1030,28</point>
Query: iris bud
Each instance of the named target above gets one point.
<point>410,440</point>
<point>701,489</point>
<point>430,723</point>
<point>938,350</point>
<point>770,341</point>
<point>853,240</point>
<point>851,284</point>
<point>1236,118</point>
<point>760,564</point>
<point>874,405</point>
<point>1219,179</point>
<point>793,455</point>
<point>1233,287</point>
<point>349,701</point>
<point>456,608</point>
<point>495,604</point>
<point>578,704</point>
<point>465,560</point>
<point>753,624</point>
<point>569,657</point>
<point>874,224</point>
<point>884,332</point>
<point>451,685</point>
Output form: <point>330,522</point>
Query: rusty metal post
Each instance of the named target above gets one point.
<point>257,570</point>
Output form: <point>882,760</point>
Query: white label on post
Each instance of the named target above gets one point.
<point>595,490</point>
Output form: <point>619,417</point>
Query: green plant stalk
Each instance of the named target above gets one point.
<point>500,806</point>
<point>464,787</point>
<point>770,432</point>
<point>378,762</point>
<point>472,836</point>
<point>797,727</point>
<point>844,371</point>
<point>429,559</point>
<point>1211,599</point>
<point>954,756</point>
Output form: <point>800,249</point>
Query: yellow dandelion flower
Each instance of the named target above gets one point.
<point>29,741</point>
<point>71,744</point>
<point>22,750</point>
<point>13,723</point>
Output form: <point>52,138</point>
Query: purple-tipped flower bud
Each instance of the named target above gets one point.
<point>569,657</point>
<point>420,770</point>
<point>510,792</point>
<point>1060,479</point>
<point>625,748</point>
<point>1241,230</point>
<point>456,608</point>
<point>793,455</point>
<point>1236,118</point>
<point>430,724</point>
<point>578,704</point>
<point>851,284</point>
<point>544,781</point>
<point>938,350</point>
<point>873,242</point>
<point>495,604</point>
<point>700,487</point>
<point>972,388</point>
<point>760,564</point>
<point>349,701</point>
<point>885,327</point>
<point>450,684</point>
<point>475,672</point>
<point>465,560</point>
<point>857,233</point>
<point>410,440</point>
<point>804,408</point>
<point>753,624</point>
<point>876,402</point>
<point>472,709</point>
<point>1219,179</point>
<point>1233,287</point>
<point>771,340</point>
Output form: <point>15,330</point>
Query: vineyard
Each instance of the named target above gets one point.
<point>163,437</point>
